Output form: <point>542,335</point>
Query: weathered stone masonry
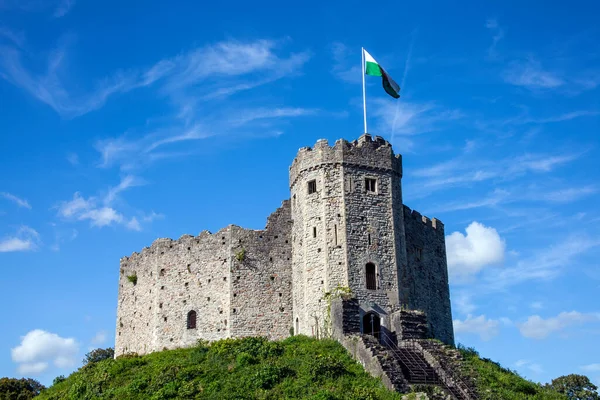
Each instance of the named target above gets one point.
<point>345,213</point>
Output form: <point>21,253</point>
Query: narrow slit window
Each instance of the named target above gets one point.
<point>314,231</point>
<point>371,184</point>
<point>369,238</point>
<point>335,234</point>
<point>312,186</point>
<point>191,320</point>
<point>371,278</point>
<point>418,253</point>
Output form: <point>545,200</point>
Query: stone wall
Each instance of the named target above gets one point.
<point>203,274</point>
<point>426,277</point>
<point>261,287</point>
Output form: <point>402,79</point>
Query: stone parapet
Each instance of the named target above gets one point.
<point>366,152</point>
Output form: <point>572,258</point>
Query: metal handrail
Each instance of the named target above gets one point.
<point>457,381</point>
<point>399,355</point>
<point>462,383</point>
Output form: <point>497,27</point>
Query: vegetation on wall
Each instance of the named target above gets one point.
<point>132,278</point>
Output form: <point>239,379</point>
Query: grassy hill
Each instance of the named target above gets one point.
<point>253,368</point>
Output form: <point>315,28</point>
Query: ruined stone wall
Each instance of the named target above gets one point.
<point>174,277</point>
<point>203,274</point>
<point>261,285</point>
<point>426,277</point>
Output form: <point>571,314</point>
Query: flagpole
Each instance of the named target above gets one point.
<point>363,82</point>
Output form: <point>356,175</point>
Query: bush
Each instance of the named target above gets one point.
<point>98,355</point>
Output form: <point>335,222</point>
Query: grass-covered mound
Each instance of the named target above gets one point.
<point>495,382</point>
<point>250,368</point>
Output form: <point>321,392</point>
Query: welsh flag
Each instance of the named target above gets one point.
<point>373,68</point>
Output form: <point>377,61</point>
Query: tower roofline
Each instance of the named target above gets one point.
<point>366,152</point>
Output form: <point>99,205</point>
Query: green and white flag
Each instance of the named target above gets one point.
<point>373,68</point>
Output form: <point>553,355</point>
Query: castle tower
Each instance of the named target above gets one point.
<point>349,230</point>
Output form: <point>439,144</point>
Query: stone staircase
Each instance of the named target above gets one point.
<point>410,363</point>
<point>389,364</point>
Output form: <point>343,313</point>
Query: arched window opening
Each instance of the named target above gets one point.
<point>191,320</point>
<point>371,278</point>
<point>297,332</point>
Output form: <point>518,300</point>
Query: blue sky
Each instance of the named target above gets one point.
<point>121,123</point>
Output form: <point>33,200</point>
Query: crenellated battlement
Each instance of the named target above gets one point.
<point>163,245</point>
<point>366,152</point>
<point>434,223</point>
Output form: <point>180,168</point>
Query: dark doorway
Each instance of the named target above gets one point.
<point>371,324</point>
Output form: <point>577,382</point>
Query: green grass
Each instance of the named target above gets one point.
<point>250,368</point>
<point>496,382</point>
<point>254,368</point>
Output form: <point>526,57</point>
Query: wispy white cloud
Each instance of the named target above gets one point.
<point>537,327</point>
<point>99,338</point>
<point>63,8</point>
<point>498,34</point>
<point>590,367</point>
<point>38,349</point>
<point>410,118</point>
<point>468,254</point>
<point>532,366</point>
<point>465,170</point>
<point>485,328</point>
<point>25,239</point>
<point>537,305</point>
<point>462,302</point>
<point>545,263</point>
<point>100,213</point>
<point>224,60</point>
<point>568,195</point>
<point>73,159</point>
<point>531,75</point>
<point>16,38</point>
<point>17,200</point>
<point>343,68</point>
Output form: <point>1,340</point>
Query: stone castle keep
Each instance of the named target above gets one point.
<point>345,225</point>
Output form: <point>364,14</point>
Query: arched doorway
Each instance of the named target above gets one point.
<point>371,324</point>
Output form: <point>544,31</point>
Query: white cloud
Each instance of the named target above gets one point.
<point>18,201</point>
<point>468,254</point>
<point>537,305</point>
<point>531,75</point>
<point>482,326</point>
<point>533,367</point>
<point>537,327</point>
<point>590,368</point>
<point>343,68</point>
<point>133,225</point>
<point>103,216</point>
<point>101,213</point>
<point>545,263</point>
<point>570,194</point>
<point>498,34</point>
<point>126,183</point>
<point>99,338</point>
<point>73,159</point>
<point>39,348</point>
<point>224,61</point>
<point>463,303</point>
<point>464,171</point>
<point>25,239</point>
<point>63,8</point>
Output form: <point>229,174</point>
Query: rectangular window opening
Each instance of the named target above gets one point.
<point>371,185</point>
<point>312,186</point>
<point>314,231</point>
<point>369,238</point>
